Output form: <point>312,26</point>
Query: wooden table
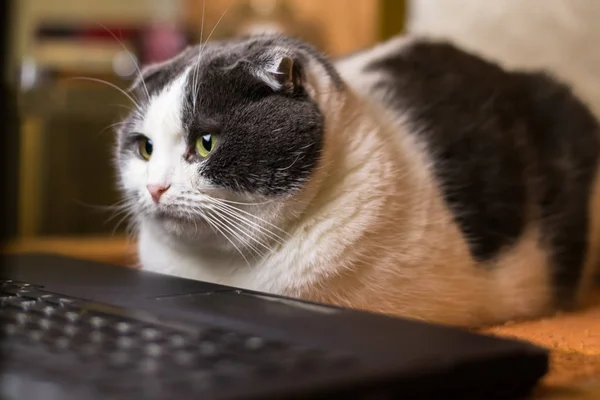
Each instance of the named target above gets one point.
<point>111,250</point>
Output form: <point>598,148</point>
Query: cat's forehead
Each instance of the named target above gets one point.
<point>203,82</point>
<point>211,69</point>
<point>231,60</point>
<point>164,112</point>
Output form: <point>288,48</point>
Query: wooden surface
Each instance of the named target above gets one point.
<point>574,342</point>
<point>111,250</point>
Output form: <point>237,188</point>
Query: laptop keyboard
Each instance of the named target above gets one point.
<point>116,355</point>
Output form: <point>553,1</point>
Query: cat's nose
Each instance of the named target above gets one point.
<point>156,190</point>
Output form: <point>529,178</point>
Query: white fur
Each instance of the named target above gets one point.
<point>369,231</point>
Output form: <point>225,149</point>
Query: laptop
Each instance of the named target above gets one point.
<point>75,329</point>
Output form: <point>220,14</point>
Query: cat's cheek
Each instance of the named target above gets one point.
<point>133,176</point>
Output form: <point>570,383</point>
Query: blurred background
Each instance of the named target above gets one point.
<point>57,134</point>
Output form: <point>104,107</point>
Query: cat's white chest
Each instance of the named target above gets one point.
<point>158,255</point>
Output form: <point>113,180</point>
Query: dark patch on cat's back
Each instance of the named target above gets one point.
<point>564,136</point>
<point>463,109</point>
<point>507,149</point>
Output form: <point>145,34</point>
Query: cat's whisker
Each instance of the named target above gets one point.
<point>127,208</point>
<point>132,228</point>
<point>126,212</point>
<point>117,205</point>
<point>251,224</point>
<point>240,235</point>
<point>123,209</point>
<point>123,219</point>
<point>233,225</point>
<point>236,209</point>
<point>112,126</point>
<point>128,108</point>
<point>246,232</point>
<point>112,85</point>
<point>195,76</point>
<point>132,58</point>
<point>247,204</point>
<point>203,45</point>
<point>218,22</point>
<point>210,221</point>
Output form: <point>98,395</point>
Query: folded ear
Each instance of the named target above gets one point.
<point>145,75</point>
<point>153,77</point>
<point>286,75</point>
<point>283,73</point>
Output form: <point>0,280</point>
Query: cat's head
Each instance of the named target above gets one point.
<point>225,134</point>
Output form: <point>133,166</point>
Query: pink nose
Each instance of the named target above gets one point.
<point>156,190</point>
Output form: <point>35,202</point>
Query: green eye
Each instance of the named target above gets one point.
<point>205,144</point>
<point>145,148</point>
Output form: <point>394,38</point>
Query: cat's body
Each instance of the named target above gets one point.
<point>412,179</point>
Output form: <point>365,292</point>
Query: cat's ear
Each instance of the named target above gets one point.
<point>156,75</point>
<point>149,77</point>
<point>284,74</point>
<point>145,75</point>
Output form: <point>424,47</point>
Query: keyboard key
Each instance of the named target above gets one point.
<point>44,323</point>
<point>71,316</point>
<point>125,342</point>
<point>178,340</point>
<point>71,330</point>
<point>57,300</point>
<point>22,318</point>
<point>18,302</point>
<point>41,308</point>
<point>101,349</point>
<point>97,322</point>
<point>153,350</point>
<point>123,327</point>
<point>254,343</point>
<point>32,294</point>
<point>150,334</point>
<point>9,286</point>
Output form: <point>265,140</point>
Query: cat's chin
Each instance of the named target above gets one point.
<point>184,228</point>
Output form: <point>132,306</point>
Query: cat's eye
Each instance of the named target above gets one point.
<point>145,148</point>
<point>205,144</point>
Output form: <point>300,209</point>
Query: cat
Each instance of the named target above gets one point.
<point>412,178</point>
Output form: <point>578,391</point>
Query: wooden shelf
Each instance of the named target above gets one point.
<point>112,250</point>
